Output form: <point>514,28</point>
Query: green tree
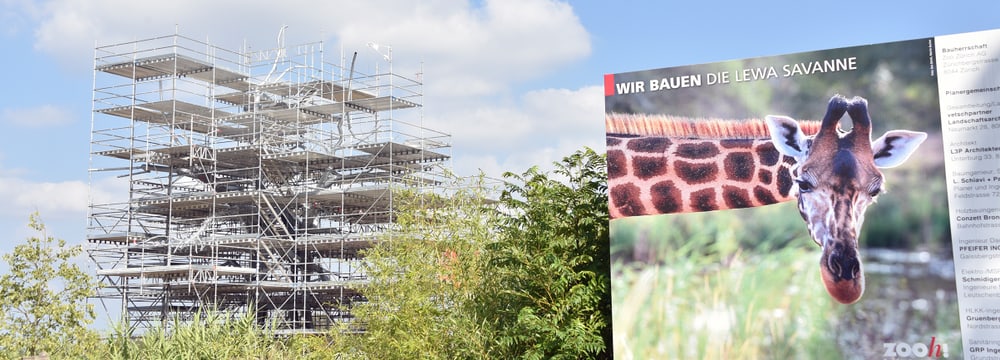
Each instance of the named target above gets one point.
<point>423,277</point>
<point>43,299</point>
<point>464,277</point>
<point>547,273</point>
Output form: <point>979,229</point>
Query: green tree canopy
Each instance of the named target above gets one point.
<point>549,267</point>
<point>424,276</point>
<point>43,298</point>
<point>525,276</point>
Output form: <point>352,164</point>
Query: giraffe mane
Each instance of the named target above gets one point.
<point>696,128</point>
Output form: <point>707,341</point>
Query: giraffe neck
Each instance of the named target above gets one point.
<point>670,172</point>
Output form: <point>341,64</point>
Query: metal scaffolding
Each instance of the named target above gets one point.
<point>254,178</point>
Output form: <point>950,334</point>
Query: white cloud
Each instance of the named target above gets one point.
<point>541,128</point>
<point>39,116</point>
<point>542,117</point>
<point>64,199</point>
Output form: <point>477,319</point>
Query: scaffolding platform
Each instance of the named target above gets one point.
<point>118,238</point>
<point>176,65</point>
<point>173,271</point>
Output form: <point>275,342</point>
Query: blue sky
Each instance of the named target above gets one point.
<point>516,82</point>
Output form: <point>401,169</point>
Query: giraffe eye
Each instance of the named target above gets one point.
<point>875,188</point>
<point>804,186</point>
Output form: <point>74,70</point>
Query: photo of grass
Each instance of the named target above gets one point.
<point>745,281</point>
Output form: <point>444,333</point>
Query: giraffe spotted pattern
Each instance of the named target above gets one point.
<point>650,175</point>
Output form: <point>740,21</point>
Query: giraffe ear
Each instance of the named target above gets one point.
<point>895,147</point>
<point>787,136</point>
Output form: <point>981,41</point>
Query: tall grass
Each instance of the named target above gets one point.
<point>754,307</point>
<point>208,335</point>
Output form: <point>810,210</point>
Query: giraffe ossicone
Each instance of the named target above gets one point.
<point>671,166</point>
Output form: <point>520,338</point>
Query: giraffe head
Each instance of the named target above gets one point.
<point>837,177</point>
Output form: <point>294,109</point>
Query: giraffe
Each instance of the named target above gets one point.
<point>689,166</point>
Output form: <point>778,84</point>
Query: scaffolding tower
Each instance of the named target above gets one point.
<point>254,178</point>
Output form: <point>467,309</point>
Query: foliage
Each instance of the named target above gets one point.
<point>43,298</point>
<point>549,268</point>
<point>522,277</point>
<point>423,278</point>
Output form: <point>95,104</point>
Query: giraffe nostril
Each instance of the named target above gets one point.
<point>844,267</point>
<point>834,266</point>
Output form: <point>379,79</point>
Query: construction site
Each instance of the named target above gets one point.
<point>250,181</point>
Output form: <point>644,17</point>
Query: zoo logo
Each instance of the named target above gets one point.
<point>919,350</point>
